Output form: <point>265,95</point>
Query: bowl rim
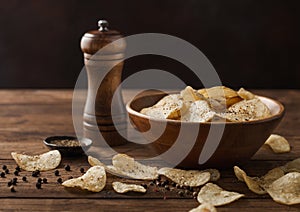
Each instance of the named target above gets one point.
<point>270,118</point>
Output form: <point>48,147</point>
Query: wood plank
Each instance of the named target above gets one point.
<point>64,204</point>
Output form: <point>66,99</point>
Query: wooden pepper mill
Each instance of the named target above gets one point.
<point>99,99</point>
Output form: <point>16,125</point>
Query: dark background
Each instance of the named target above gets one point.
<point>251,43</point>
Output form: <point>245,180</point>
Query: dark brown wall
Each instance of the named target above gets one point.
<point>251,43</point>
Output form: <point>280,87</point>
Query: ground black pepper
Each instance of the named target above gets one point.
<point>45,180</point>
<point>39,180</point>
<point>7,171</point>
<point>56,173</point>
<point>24,179</point>
<point>82,170</point>
<point>4,167</point>
<point>2,174</point>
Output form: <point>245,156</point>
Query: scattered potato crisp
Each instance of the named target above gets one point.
<point>95,162</point>
<point>169,107</point>
<point>247,95</point>
<point>44,162</point>
<point>286,190</point>
<point>93,180</point>
<point>214,174</point>
<point>292,166</point>
<point>124,188</point>
<point>256,184</point>
<point>251,182</point>
<point>278,144</point>
<point>191,178</point>
<point>127,166</point>
<point>204,207</point>
<point>215,195</point>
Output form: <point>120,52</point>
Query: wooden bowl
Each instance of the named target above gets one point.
<point>239,141</point>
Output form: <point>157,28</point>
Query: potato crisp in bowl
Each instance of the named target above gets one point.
<point>248,121</point>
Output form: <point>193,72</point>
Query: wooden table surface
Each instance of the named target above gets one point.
<point>29,116</point>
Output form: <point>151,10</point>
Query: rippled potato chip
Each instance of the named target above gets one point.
<point>43,162</point>
<point>215,195</point>
<point>190,95</point>
<point>124,187</point>
<point>258,185</point>
<point>93,180</point>
<point>169,107</point>
<point>222,94</point>
<point>247,95</point>
<point>247,110</point>
<point>199,111</point>
<point>127,166</point>
<point>191,178</point>
<point>110,169</point>
<point>286,190</point>
<point>278,144</point>
<point>204,207</point>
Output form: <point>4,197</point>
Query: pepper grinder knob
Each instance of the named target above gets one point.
<point>103,24</point>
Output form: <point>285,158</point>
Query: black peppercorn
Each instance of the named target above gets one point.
<point>38,185</point>
<point>180,193</point>
<point>4,167</point>
<point>16,172</point>
<point>9,183</point>
<point>173,184</point>
<point>12,189</point>
<point>45,180</point>
<point>67,168</point>
<point>7,171</point>
<point>39,180</point>
<point>56,173</point>
<point>24,179</point>
<point>70,177</point>
<point>35,173</point>
<point>144,185</point>
<point>82,170</point>
<point>59,180</point>
<point>18,168</point>
<point>163,183</point>
<point>2,174</point>
<point>14,181</point>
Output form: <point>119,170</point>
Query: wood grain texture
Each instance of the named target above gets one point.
<point>28,116</point>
